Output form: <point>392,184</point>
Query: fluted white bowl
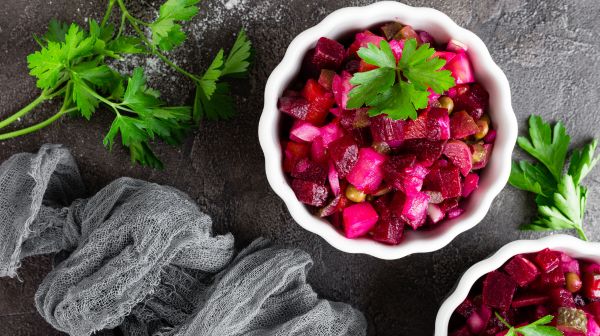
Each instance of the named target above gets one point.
<point>442,28</point>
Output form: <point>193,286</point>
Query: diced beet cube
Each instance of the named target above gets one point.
<point>404,174</point>
<point>385,129</point>
<point>445,55</point>
<point>297,107</point>
<point>326,78</point>
<point>479,319</point>
<point>432,124</point>
<point>331,132</point>
<point>490,137</point>
<point>427,152</point>
<point>591,285</point>
<point>553,279</point>
<point>466,308</point>
<point>318,152</point>
<point>470,184</point>
<point>568,264</point>
<point>309,192</point>
<point>344,153</point>
<point>362,40</point>
<point>319,109</point>
<point>341,87</point>
<point>498,290</point>
<point>412,208</point>
<point>353,119</point>
<point>547,260</point>
<point>293,153</point>
<point>308,170</point>
<point>459,154</point>
<point>304,131</point>
<point>313,90</point>
<point>361,136</point>
<point>449,204</point>
<point>521,270</point>
<point>594,309</point>
<point>529,300</point>
<point>389,229</point>
<point>367,173</point>
<point>461,69</point>
<point>462,125</point>
<point>397,46</point>
<point>425,37</point>
<point>329,54</point>
<point>475,101</point>
<point>446,180</point>
<point>359,219</point>
<point>336,205</point>
<point>560,297</point>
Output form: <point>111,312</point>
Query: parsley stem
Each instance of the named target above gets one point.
<point>503,320</point>
<point>134,23</point>
<point>36,127</point>
<point>109,10</point>
<point>43,97</point>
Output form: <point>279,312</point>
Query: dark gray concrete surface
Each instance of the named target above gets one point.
<point>548,49</point>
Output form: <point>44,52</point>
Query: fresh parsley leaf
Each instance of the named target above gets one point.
<point>422,70</point>
<point>540,328</point>
<point>56,31</point>
<point>208,82</point>
<point>47,65</point>
<point>368,85</point>
<point>212,99</point>
<point>166,33</point>
<point>548,145</point>
<point>219,106</point>
<point>152,119</point>
<point>561,199</point>
<point>534,178</point>
<point>583,161</point>
<point>386,91</point>
<point>537,328</point>
<point>238,60</point>
<point>381,56</point>
<point>84,99</point>
<point>401,101</point>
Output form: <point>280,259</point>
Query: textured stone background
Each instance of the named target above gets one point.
<point>548,49</point>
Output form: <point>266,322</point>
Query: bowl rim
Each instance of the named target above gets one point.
<point>575,247</point>
<point>287,70</point>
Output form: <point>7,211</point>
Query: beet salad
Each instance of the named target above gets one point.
<point>548,292</point>
<point>385,133</point>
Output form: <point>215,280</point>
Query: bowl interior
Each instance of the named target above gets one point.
<point>339,25</point>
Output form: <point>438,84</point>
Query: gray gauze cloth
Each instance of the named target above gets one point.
<point>141,259</point>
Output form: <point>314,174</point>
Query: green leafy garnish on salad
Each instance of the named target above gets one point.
<point>537,328</point>
<point>561,199</point>
<point>398,88</point>
<point>73,64</point>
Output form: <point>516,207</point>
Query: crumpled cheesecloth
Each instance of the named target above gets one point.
<point>141,259</point>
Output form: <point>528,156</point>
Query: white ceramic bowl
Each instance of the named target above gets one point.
<point>442,28</point>
<point>574,247</point>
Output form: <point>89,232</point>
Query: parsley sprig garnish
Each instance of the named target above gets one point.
<point>561,199</point>
<point>537,328</point>
<point>398,88</point>
<point>73,65</point>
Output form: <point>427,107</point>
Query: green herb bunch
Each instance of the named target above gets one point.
<point>561,199</point>
<point>398,88</point>
<point>73,65</point>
